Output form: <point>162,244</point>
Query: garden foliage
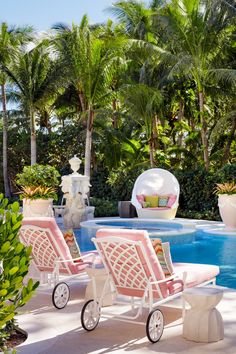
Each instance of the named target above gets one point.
<point>38,181</point>
<point>14,261</point>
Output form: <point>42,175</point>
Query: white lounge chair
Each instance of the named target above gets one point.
<point>156,181</point>
<point>51,256</point>
<point>138,279</point>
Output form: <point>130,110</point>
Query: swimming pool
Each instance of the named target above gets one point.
<point>193,246</point>
<point>171,231</point>
<point>210,249</point>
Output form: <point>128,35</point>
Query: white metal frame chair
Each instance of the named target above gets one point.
<point>51,257</point>
<point>131,273</point>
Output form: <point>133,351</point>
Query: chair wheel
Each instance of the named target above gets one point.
<point>90,315</point>
<point>155,325</point>
<point>60,295</point>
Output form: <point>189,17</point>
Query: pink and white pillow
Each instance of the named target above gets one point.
<point>171,200</point>
<point>141,199</point>
<point>72,244</point>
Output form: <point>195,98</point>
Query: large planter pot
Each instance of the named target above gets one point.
<point>227,207</point>
<point>37,207</point>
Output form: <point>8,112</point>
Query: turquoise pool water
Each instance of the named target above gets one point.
<point>170,231</point>
<point>210,249</point>
<point>196,247</point>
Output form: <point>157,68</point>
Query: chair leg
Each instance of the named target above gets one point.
<point>183,307</point>
<point>43,278</point>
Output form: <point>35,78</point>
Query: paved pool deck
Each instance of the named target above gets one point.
<point>52,331</point>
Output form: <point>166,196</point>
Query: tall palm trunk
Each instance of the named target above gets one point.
<point>151,152</point>
<point>88,143</point>
<point>230,139</point>
<point>33,137</point>
<point>4,144</point>
<point>203,130</point>
<point>114,117</point>
<point>153,141</point>
<point>180,118</point>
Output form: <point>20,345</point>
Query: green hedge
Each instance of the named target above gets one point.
<point>104,207</point>
<point>197,198</point>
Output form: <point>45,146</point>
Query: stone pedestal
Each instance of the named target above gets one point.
<point>203,322</point>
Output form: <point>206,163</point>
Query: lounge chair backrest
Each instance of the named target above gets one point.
<point>130,258</point>
<point>48,244</point>
<point>155,181</point>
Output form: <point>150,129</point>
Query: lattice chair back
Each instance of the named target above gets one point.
<point>131,261</point>
<point>44,252</point>
<point>122,260</point>
<point>48,245</point>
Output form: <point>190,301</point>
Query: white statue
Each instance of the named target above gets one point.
<point>75,188</point>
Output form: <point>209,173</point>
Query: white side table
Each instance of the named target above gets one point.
<point>203,322</point>
<point>100,277</point>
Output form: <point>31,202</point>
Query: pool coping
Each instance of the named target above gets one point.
<point>189,225</point>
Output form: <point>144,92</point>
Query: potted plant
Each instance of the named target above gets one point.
<point>38,189</point>
<point>227,203</point>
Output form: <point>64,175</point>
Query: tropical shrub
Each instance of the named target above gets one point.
<point>197,197</point>
<point>225,188</point>
<point>99,185</point>
<point>104,207</point>
<point>115,184</point>
<point>38,193</point>
<point>14,262</point>
<point>38,181</point>
<point>196,190</point>
<point>122,182</point>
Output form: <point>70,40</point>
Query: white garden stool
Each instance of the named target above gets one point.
<point>100,277</point>
<point>203,322</point>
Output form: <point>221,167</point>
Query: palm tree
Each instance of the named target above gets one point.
<point>144,103</point>
<point>38,79</point>
<point>197,32</point>
<point>10,41</point>
<point>90,59</point>
<point>136,18</point>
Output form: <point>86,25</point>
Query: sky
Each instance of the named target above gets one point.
<point>42,14</point>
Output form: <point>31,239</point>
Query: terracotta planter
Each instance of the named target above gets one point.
<point>227,207</point>
<point>37,207</point>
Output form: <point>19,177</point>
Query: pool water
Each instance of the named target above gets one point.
<point>204,248</point>
<point>136,224</point>
<point>210,249</point>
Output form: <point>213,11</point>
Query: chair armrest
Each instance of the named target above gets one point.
<point>92,255</point>
<point>172,277</point>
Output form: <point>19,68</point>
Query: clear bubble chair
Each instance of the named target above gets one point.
<point>156,194</point>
